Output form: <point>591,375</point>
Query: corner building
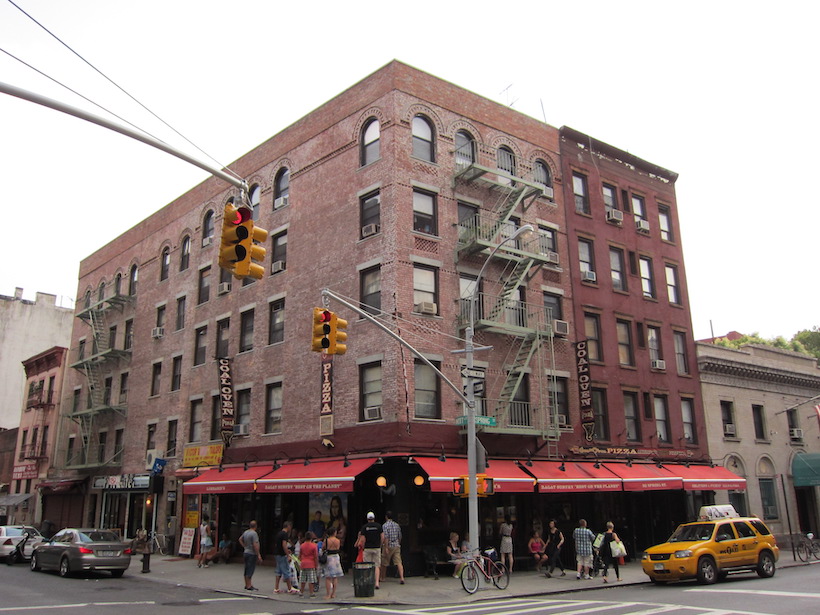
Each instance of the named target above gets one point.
<point>400,195</point>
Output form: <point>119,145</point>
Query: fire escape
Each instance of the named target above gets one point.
<point>40,402</point>
<point>528,328</point>
<point>98,359</point>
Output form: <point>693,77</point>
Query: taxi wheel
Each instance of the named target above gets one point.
<point>707,571</point>
<point>765,565</point>
<point>657,581</point>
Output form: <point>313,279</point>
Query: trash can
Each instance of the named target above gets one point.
<point>364,579</point>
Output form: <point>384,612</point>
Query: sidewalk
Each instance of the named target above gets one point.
<point>417,591</point>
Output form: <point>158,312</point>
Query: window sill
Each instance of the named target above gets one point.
<point>426,235</point>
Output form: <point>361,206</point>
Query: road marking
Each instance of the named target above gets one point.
<point>760,592</point>
<point>81,605</point>
<point>225,599</point>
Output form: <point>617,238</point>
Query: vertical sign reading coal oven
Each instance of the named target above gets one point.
<point>585,390</point>
<point>226,404</point>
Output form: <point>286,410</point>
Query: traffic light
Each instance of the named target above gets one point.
<point>484,485</point>
<point>238,249</point>
<point>459,486</point>
<point>337,335</point>
<point>321,329</point>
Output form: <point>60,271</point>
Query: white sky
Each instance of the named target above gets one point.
<point>724,93</point>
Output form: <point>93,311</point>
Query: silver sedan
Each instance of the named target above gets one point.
<point>10,535</point>
<point>74,550</point>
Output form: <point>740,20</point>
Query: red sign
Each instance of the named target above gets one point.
<point>25,471</point>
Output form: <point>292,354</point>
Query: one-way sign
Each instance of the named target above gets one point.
<point>472,373</point>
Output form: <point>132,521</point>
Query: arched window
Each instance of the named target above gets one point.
<point>541,173</point>
<point>87,299</point>
<point>423,141</point>
<point>370,142</point>
<point>118,284</point>
<point>281,188</point>
<point>254,197</point>
<point>465,149</point>
<point>101,292</point>
<point>132,281</point>
<point>165,263</point>
<point>505,162</point>
<point>207,228</point>
<point>185,254</point>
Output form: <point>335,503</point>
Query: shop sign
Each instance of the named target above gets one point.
<point>327,385</point>
<point>585,390</point>
<point>121,481</point>
<point>226,400</point>
<point>205,455</point>
<point>24,471</point>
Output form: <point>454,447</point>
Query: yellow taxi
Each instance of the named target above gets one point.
<point>718,543</point>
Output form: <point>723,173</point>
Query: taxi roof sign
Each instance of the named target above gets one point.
<point>717,511</point>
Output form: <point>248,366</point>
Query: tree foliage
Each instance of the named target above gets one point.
<point>795,344</point>
<point>810,338</point>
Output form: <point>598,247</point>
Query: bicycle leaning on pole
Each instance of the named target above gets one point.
<point>486,566</point>
<point>808,547</point>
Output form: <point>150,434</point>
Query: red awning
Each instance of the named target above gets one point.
<point>318,476</point>
<point>59,486</point>
<point>230,480</point>
<point>508,477</point>
<point>706,478</point>
<point>645,477</point>
<point>575,476</point>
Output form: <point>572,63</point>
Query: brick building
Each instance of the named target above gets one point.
<point>393,195</point>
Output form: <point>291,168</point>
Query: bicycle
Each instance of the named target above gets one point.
<point>808,547</point>
<point>487,567</point>
<point>158,543</point>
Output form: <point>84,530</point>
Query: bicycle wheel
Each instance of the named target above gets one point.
<point>501,576</point>
<point>161,545</point>
<point>803,552</point>
<point>469,578</point>
<point>815,549</point>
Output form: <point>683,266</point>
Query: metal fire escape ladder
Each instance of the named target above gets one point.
<point>511,284</point>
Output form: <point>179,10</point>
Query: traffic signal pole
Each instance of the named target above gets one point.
<point>11,90</point>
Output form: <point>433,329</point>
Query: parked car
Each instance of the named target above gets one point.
<point>10,535</point>
<point>709,549</point>
<point>74,550</point>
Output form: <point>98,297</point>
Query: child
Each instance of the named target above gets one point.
<point>309,561</point>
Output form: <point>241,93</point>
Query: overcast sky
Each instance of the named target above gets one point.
<point>723,93</point>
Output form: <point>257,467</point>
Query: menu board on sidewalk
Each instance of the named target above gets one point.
<point>186,544</point>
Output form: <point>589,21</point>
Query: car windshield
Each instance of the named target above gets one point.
<point>98,536</point>
<point>688,533</point>
<point>19,531</point>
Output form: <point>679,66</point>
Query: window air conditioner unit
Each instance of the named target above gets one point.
<point>151,455</point>
<point>277,266</point>
<point>371,413</point>
<point>562,419</point>
<point>426,307</point>
<point>241,430</point>
<point>770,512</point>
<point>616,216</point>
<point>206,241</point>
<point>548,192</point>
<point>224,287</point>
<point>369,229</point>
<point>589,276</point>
<point>552,258</point>
<point>728,429</point>
<point>282,201</point>
<point>642,225</point>
<point>157,332</point>
<point>658,364</point>
<point>560,328</point>
<point>795,433</point>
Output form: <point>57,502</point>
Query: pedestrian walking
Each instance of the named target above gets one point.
<point>555,540</point>
<point>373,536</point>
<point>606,551</point>
<point>333,567</point>
<point>392,549</point>
<point>249,541</point>
<point>205,542</point>
<point>309,564</point>
<point>506,550</point>
<point>281,552</point>
<point>583,538</point>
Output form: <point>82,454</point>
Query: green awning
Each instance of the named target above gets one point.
<point>806,470</point>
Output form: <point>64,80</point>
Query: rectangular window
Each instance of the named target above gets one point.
<point>243,407</point>
<point>279,252</point>
<point>579,189</point>
<point>223,340</point>
<point>424,212</point>
<point>687,411</point>
<point>129,334</point>
<point>156,374</point>
<point>151,437</point>
<point>273,408</point>
<point>216,418</point>
<point>672,289</point>
<point>665,223</point>
<point>653,343</point>
<point>200,345</point>
<point>759,420</point>
<point>610,197</point>
<point>425,289</point>
<point>647,278</point>
<point>426,391</point>
<point>592,331</point>
<point>586,257</point>
<point>370,214</point>
<point>631,417</point>
<point>69,451</point>
<point>554,305</point>
<point>625,351</point>
<point>195,430</point>
<point>370,387</point>
<point>101,438</point>
<point>246,331</point>
<point>727,416</point>
<point>119,437</point>
<point>371,290</point>
<point>171,443</point>
<point>276,322</point>
<point>112,336</point>
<point>599,408</point>
<point>681,357</point>
<point>662,419</point>
<point>160,316</point>
<point>180,313</point>
<point>176,373</point>
<point>204,289</point>
<point>768,498</point>
<point>617,266</point>
<point>558,399</point>
<point>123,388</point>
<point>639,207</point>
<point>109,384</point>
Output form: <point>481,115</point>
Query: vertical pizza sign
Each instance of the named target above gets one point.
<point>226,403</point>
<point>326,406</point>
<point>585,390</point>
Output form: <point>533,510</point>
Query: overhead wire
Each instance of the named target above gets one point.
<point>121,89</point>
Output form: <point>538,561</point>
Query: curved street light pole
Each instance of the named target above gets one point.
<point>472,494</point>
